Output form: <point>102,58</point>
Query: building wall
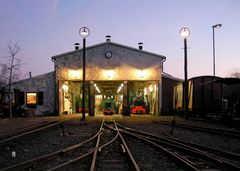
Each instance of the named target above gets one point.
<point>125,64</point>
<point>167,95</point>
<point>43,83</point>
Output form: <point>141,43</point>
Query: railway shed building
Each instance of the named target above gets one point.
<point>128,76</point>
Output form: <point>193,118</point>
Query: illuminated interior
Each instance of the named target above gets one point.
<point>110,90</point>
<point>108,97</point>
<point>31,98</point>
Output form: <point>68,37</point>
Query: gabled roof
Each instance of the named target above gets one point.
<point>168,76</point>
<point>35,77</point>
<point>109,43</point>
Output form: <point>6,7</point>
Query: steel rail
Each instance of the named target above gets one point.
<point>95,150</point>
<point>214,150</point>
<point>106,144</point>
<point>82,143</point>
<point>30,163</point>
<point>202,129</point>
<point>181,145</point>
<point>184,147</point>
<point>67,164</point>
<point>24,129</point>
<point>231,154</point>
<point>29,132</point>
<point>127,149</point>
<point>189,164</point>
<point>201,153</point>
<point>93,165</point>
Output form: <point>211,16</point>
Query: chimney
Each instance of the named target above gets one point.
<point>76,46</point>
<point>108,38</point>
<point>140,45</point>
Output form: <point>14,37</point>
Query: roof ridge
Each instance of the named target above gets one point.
<point>113,43</point>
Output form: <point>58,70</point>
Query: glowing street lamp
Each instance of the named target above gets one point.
<point>185,32</point>
<point>213,28</point>
<point>84,33</point>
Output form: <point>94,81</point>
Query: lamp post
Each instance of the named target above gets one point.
<point>84,32</point>
<point>185,32</point>
<point>213,28</point>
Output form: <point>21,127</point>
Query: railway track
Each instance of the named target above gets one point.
<point>59,160</point>
<point>116,147</point>
<point>193,156</point>
<point>44,141</point>
<point>106,155</point>
<point>10,133</point>
<point>103,150</point>
<point>5,138</point>
<point>225,132</point>
<point>114,153</point>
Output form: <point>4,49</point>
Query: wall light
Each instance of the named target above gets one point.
<point>65,87</point>
<point>109,74</point>
<point>120,88</point>
<point>142,73</point>
<point>96,87</point>
<point>98,90</point>
<point>74,74</point>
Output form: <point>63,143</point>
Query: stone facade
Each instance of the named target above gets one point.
<point>43,83</point>
<point>124,63</point>
<point>109,61</point>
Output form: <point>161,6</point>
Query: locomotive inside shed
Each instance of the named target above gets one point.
<point>111,97</point>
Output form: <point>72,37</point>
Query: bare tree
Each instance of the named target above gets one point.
<point>11,70</point>
<point>235,73</point>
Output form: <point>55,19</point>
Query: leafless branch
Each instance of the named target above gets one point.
<point>11,69</point>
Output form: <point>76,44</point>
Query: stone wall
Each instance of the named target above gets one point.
<point>125,63</point>
<point>43,83</point>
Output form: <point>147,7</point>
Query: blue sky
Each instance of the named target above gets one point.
<point>44,28</point>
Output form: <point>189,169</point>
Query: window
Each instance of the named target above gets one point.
<point>21,97</point>
<point>40,98</point>
<point>31,98</point>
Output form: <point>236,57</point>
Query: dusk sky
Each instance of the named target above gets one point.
<point>44,28</point>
